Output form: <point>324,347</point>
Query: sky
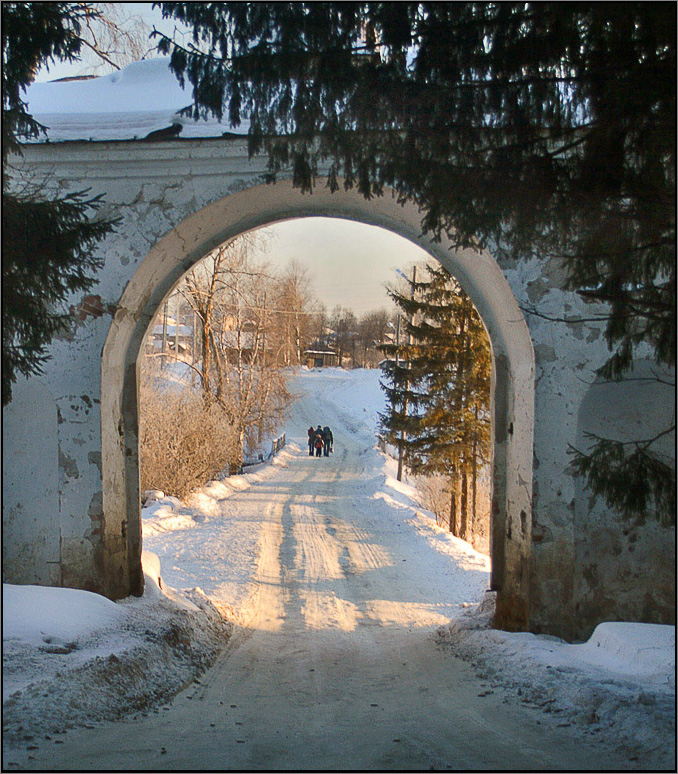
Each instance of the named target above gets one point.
<point>349,263</point>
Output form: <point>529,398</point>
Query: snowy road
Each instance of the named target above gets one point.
<point>338,666</point>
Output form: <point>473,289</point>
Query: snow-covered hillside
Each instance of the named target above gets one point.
<point>72,658</point>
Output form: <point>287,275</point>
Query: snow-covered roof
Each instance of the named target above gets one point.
<point>126,105</point>
<point>237,339</point>
<point>184,330</point>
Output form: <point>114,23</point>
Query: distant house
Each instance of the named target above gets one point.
<point>239,344</point>
<point>319,356</point>
<point>177,342</point>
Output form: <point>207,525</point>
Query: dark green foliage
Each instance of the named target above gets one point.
<point>630,476</point>
<point>33,34</point>
<point>47,243</point>
<point>546,128</point>
<point>46,254</point>
<point>527,128</point>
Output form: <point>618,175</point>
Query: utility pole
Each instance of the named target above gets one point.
<point>176,330</point>
<point>403,434</point>
<point>164,336</point>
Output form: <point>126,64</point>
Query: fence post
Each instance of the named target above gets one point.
<point>277,444</point>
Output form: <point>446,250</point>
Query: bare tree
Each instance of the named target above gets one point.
<point>319,324</point>
<point>294,298</point>
<point>111,36</point>
<point>115,36</point>
<point>229,293</point>
<point>199,289</point>
<point>371,332</point>
<point>344,324</point>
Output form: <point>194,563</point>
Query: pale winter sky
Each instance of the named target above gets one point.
<point>349,263</point>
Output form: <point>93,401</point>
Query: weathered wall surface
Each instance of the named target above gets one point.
<point>624,569</point>
<point>53,508</point>
<point>30,487</point>
<point>588,563</point>
<point>555,568</point>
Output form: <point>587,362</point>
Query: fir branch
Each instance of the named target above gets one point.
<point>638,483</point>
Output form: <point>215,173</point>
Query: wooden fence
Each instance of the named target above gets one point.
<point>276,445</point>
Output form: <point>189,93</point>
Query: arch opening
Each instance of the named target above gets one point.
<point>512,388</point>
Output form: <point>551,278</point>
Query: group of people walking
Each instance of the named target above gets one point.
<point>320,441</point>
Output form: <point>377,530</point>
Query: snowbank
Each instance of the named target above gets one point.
<point>72,658</point>
<point>619,685</point>
<point>53,618</point>
<point>638,651</point>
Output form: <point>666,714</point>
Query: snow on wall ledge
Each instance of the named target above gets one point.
<point>129,104</point>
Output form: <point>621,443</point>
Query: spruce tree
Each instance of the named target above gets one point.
<point>47,242</point>
<point>531,128</point>
<point>437,384</point>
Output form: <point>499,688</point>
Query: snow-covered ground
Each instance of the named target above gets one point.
<point>72,658</point>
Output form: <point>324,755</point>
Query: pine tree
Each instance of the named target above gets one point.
<point>437,388</point>
<point>535,128</point>
<point>47,253</point>
<point>47,243</point>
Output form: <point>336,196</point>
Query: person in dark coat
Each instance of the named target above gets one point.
<point>311,440</point>
<point>319,441</point>
<point>329,441</point>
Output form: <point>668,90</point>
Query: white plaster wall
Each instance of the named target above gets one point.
<point>566,358</point>
<point>625,569</point>
<point>153,189</point>
<point>30,487</point>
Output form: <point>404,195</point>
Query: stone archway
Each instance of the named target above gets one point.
<point>189,242</point>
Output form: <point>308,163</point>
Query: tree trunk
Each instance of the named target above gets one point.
<point>463,510</point>
<point>297,340</point>
<point>206,360</point>
<point>236,464</point>
<point>194,345</point>
<point>219,369</point>
<point>164,336</point>
<point>474,485</point>
<point>453,504</point>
